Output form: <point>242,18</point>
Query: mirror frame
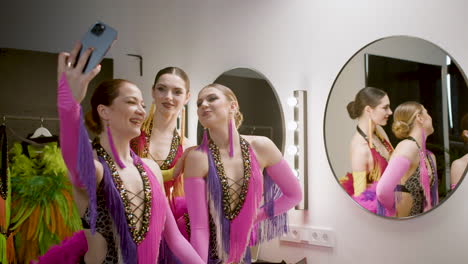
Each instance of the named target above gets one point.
<point>450,192</point>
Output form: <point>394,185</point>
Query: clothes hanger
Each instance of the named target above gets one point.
<point>41,131</point>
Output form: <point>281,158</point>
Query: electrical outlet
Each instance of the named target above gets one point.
<point>318,236</point>
<point>324,237</point>
<point>295,234</point>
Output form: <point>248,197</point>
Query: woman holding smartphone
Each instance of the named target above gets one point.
<point>118,194</point>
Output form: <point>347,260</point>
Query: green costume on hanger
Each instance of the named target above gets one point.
<point>6,237</point>
<point>43,211</point>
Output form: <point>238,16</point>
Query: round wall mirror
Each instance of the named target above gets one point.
<point>386,99</point>
<point>258,103</point>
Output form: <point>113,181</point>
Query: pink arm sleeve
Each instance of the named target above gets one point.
<point>177,243</point>
<point>69,114</point>
<point>396,169</point>
<point>283,176</point>
<point>197,205</point>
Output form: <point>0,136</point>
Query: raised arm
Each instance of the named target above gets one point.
<point>400,162</point>
<point>278,169</point>
<point>196,168</point>
<point>74,142</point>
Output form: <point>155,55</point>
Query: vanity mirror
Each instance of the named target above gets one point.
<point>361,109</point>
<point>259,104</point>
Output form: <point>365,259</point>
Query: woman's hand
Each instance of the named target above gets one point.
<point>180,164</point>
<point>77,80</point>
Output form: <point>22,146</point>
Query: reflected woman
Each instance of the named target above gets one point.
<point>459,167</point>
<point>409,185</point>
<point>370,147</point>
<point>225,187</point>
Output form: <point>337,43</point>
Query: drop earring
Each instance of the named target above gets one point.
<point>146,126</point>
<point>231,147</point>
<point>204,143</point>
<point>182,126</point>
<point>424,174</point>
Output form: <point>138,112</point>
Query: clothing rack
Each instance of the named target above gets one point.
<point>40,118</point>
<point>4,118</point>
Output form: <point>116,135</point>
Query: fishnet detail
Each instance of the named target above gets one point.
<point>231,189</point>
<point>235,189</point>
<point>137,207</point>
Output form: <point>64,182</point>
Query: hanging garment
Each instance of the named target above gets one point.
<point>43,211</point>
<point>7,249</point>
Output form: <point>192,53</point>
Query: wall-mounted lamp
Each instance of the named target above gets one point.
<point>299,149</point>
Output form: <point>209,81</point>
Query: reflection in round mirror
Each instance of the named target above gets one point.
<point>388,97</point>
<point>258,103</point>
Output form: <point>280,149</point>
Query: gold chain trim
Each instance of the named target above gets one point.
<point>227,201</point>
<point>172,152</point>
<point>137,235</point>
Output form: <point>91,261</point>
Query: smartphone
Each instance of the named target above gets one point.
<point>100,37</point>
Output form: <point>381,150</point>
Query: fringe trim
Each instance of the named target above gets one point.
<point>115,206</point>
<point>148,249</point>
<point>87,171</point>
<point>273,226</point>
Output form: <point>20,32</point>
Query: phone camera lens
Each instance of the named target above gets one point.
<point>98,29</point>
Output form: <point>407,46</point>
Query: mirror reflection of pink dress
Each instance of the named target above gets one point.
<point>362,185</point>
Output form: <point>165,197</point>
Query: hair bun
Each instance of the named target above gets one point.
<point>238,118</point>
<point>351,110</point>
<point>401,129</point>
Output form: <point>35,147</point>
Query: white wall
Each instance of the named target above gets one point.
<point>296,44</point>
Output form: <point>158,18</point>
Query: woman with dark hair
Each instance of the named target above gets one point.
<point>459,167</point>
<point>118,194</point>
<point>370,147</point>
<point>225,187</point>
<point>409,185</point>
<point>161,141</point>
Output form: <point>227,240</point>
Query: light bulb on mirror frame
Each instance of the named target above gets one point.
<point>292,150</point>
<point>292,125</point>
<point>292,101</point>
<point>296,173</point>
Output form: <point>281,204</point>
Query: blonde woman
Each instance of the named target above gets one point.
<point>409,184</point>
<point>225,186</point>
